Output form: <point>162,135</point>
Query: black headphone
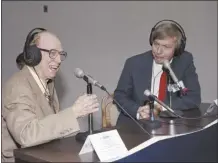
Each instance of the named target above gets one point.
<point>181,48</point>
<point>32,54</point>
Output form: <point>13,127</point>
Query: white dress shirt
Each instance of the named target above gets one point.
<point>155,80</point>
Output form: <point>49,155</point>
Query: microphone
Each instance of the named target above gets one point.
<point>212,107</point>
<point>80,74</point>
<point>177,113</point>
<point>178,83</point>
<point>81,137</point>
<point>153,97</point>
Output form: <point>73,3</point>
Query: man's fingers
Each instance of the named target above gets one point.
<point>143,115</point>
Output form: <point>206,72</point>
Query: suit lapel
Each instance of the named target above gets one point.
<point>39,96</point>
<point>54,98</point>
<point>175,66</point>
<point>145,79</point>
<point>148,71</point>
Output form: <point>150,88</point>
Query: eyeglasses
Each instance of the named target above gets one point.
<point>53,53</point>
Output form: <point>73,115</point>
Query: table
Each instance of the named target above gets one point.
<point>67,149</point>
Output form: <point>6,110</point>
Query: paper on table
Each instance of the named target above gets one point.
<point>108,145</point>
<point>87,146</point>
<point>215,101</point>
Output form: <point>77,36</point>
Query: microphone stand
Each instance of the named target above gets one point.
<point>90,118</point>
<point>81,137</point>
<point>166,113</point>
<point>170,92</point>
<point>152,123</point>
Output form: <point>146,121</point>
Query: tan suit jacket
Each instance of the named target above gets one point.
<point>27,117</point>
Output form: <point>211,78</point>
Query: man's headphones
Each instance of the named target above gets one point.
<point>181,48</point>
<point>32,54</point>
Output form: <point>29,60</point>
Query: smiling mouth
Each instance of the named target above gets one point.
<point>53,68</point>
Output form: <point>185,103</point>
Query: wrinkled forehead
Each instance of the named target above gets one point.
<point>49,41</point>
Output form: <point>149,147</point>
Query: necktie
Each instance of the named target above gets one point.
<point>162,86</point>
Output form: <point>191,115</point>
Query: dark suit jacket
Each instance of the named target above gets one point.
<point>136,77</point>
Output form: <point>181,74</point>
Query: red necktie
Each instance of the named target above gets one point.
<point>162,86</point>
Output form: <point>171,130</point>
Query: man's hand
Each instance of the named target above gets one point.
<point>144,111</point>
<point>85,105</point>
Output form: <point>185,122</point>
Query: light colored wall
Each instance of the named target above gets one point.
<point>99,36</point>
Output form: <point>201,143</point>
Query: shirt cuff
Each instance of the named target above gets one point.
<point>137,116</point>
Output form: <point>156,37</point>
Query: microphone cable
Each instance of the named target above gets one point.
<point>153,97</point>
<point>205,115</point>
<point>138,124</point>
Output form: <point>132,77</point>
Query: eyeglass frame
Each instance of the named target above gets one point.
<point>59,52</point>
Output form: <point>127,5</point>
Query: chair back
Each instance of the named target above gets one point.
<point>110,113</point>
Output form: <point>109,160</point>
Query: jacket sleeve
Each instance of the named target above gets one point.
<point>28,129</point>
<point>193,97</point>
<point>123,92</point>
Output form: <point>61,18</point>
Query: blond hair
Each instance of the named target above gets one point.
<point>165,30</point>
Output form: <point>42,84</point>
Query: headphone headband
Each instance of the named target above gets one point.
<point>31,35</point>
<point>32,55</point>
<point>174,22</point>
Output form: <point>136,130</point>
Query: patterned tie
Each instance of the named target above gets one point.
<point>162,86</point>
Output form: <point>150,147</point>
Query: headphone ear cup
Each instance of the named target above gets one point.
<point>183,43</point>
<point>181,49</point>
<point>32,56</point>
<point>150,38</point>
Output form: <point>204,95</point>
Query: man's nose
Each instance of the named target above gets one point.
<point>58,58</point>
<point>159,50</point>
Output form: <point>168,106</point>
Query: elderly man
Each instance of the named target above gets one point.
<point>30,107</point>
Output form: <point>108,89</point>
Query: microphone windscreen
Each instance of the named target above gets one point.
<point>78,73</point>
<point>147,92</point>
<point>166,64</point>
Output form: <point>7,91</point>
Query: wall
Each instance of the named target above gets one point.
<point>100,35</point>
